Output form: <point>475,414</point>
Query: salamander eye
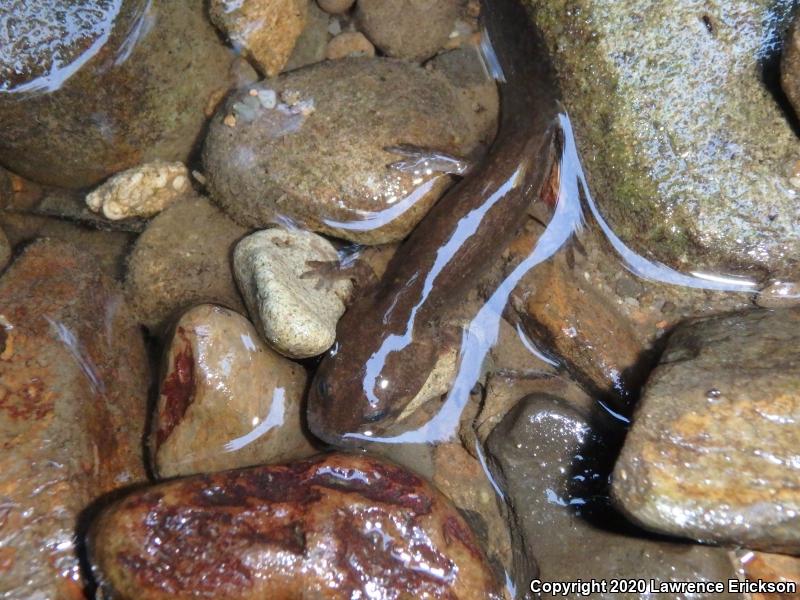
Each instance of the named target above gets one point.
<point>378,415</point>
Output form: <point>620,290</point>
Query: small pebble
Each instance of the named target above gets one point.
<point>143,191</point>
<point>335,7</point>
<point>349,44</point>
<point>295,308</point>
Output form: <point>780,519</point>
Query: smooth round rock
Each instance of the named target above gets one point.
<point>349,43</point>
<point>335,7</point>
<point>319,155</point>
<point>226,399</point>
<point>182,259</point>
<point>414,29</point>
<point>295,301</point>
<point>91,88</point>
<point>329,528</point>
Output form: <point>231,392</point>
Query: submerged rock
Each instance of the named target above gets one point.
<point>265,30</point>
<point>790,66</point>
<point>73,395</point>
<point>725,399</point>
<point>349,43</point>
<point>183,258</point>
<point>5,250</point>
<point>310,45</point>
<point>688,154</point>
<point>142,191</point>
<point>549,457</point>
<point>226,399</point>
<point>413,29</point>
<point>283,276</point>
<point>337,526</point>
<point>319,154</point>
<point>91,88</point>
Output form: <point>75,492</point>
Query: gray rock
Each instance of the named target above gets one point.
<point>319,155</point>
<point>310,45</point>
<point>676,128</point>
<point>413,29</point>
<point>725,400</point>
<point>551,458</point>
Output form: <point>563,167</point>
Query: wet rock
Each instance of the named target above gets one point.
<point>311,44</point>
<point>725,399</point>
<point>336,526</point>
<point>296,310</point>
<point>413,29</point>
<point>349,43</point>
<point>790,66</point>
<point>226,399</point>
<point>583,329</point>
<point>142,191</point>
<point>550,459</point>
<point>691,165</point>
<point>183,258</point>
<point>771,567</point>
<point>779,294</point>
<point>335,7</point>
<point>319,156</point>
<point>265,30</point>
<point>73,394</point>
<point>5,250</point>
<point>477,91</point>
<point>94,88</point>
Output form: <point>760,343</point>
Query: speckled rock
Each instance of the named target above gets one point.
<point>92,88</point>
<point>688,154</point>
<point>226,400</point>
<point>548,457</point>
<point>336,526</point>
<point>265,30</point>
<point>790,66</point>
<point>413,29</point>
<point>319,155</point>
<point>295,308</point>
<point>349,43</point>
<point>183,258</point>
<point>73,395</point>
<point>771,567</point>
<point>726,400</point>
<point>142,191</point>
<point>310,45</point>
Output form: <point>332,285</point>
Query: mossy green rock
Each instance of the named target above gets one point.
<point>688,154</point>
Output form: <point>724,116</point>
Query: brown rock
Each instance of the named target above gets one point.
<point>319,156</point>
<point>73,394</point>
<point>774,568</point>
<point>183,258</point>
<point>724,399</point>
<point>227,400</point>
<point>337,526</point>
<point>5,250</point>
<point>335,7</point>
<point>413,29</point>
<point>266,30</point>
<point>349,43</point>
<point>94,88</point>
<point>790,66</point>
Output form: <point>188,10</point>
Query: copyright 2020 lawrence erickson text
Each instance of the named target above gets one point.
<point>622,586</point>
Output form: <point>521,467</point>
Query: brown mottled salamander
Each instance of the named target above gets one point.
<point>388,340</point>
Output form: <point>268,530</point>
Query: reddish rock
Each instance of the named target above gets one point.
<point>73,392</point>
<point>336,526</point>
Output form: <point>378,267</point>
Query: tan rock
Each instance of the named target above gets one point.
<point>773,568</point>
<point>724,399</point>
<point>226,399</point>
<point>295,309</point>
<point>266,30</point>
<point>335,7</point>
<point>142,191</point>
<point>349,43</point>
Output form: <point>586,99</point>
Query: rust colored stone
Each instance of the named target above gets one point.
<point>333,526</point>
